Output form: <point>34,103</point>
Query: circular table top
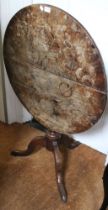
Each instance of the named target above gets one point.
<point>55,68</point>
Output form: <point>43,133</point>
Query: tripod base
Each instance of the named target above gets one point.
<point>52,142</point>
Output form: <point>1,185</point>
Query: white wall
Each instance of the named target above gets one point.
<point>2,100</point>
<point>93,14</point>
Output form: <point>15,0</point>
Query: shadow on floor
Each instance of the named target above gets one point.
<point>105,185</point>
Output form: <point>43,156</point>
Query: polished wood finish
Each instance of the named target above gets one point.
<point>52,141</point>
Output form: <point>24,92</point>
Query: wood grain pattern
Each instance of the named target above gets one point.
<point>55,68</point>
<point>14,109</point>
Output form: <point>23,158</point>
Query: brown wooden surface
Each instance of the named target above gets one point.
<point>55,68</point>
<point>29,183</point>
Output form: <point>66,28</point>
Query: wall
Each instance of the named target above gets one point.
<point>2,94</point>
<point>93,15</point>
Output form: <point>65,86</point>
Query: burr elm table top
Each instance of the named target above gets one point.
<point>55,68</point>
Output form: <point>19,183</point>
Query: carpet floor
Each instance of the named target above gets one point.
<point>28,183</point>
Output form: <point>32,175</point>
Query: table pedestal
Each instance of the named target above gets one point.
<point>52,141</point>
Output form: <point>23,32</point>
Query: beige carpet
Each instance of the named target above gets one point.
<point>28,183</point>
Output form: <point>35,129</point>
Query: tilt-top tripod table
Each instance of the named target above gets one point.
<point>57,72</point>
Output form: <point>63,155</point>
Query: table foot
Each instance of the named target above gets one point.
<point>31,147</point>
